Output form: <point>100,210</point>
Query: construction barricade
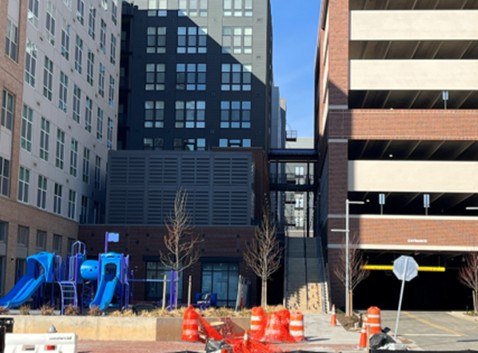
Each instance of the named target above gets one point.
<point>40,342</point>
<point>190,331</point>
<point>374,320</point>
<point>296,326</point>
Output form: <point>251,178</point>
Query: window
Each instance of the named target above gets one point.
<point>73,157</point>
<point>80,10</point>
<point>150,143</point>
<point>155,77</point>
<point>190,114</point>
<point>158,8</point>
<point>92,22</point>
<point>90,67</point>
<point>3,231</point>
<point>98,172</point>
<point>78,54</point>
<point>57,196</point>
<point>76,104</point>
<point>237,40</point>
<point>236,77</point>
<point>155,270</point>
<point>72,204</point>
<point>238,8</point>
<point>156,40</point>
<point>63,92</point>
<point>8,108</point>
<point>48,79</point>
<point>84,209</point>
<point>30,63</point>
<point>23,235</point>
<point>88,113</point>
<point>111,92</point>
<point>113,49</point>
<point>23,184</point>
<point>41,240</point>
<point>65,41</point>
<point>86,165</point>
<point>33,12</point>
<point>103,36</point>
<point>192,40</point>
<point>114,11</point>
<point>221,278</point>
<point>42,191</point>
<point>4,176</point>
<point>192,8</point>
<point>11,38</point>
<point>101,80</point>
<point>44,138</point>
<point>99,124</point>
<point>60,148</point>
<point>235,114</point>
<point>154,114</point>
<point>20,268</point>
<point>192,144</point>
<point>234,143</point>
<point>50,22</point>
<point>57,243</point>
<point>109,133</point>
<point>191,77</point>
<point>27,123</point>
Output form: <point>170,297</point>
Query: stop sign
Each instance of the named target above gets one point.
<point>405,268</point>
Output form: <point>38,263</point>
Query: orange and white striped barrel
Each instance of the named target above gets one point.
<point>374,320</point>
<point>190,325</point>
<point>257,320</point>
<point>296,326</point>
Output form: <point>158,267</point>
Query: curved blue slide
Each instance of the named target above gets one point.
<point>110,275</point>
<point>28,284</point>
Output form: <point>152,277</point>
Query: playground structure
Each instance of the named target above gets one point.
<point>81,282</point>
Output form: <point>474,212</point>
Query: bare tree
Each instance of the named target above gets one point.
<point>263,254</point>
<point>181,245</point>
<point>356,272</point>
<point>468,275</point>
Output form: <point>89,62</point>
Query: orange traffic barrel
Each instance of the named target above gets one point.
<point>258,318</point>
<point>190,325</point>
<point>273,329</point>
<point>296,326</point>
<point>373,320</point>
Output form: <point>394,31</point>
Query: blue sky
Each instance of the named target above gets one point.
<point>295,26</point>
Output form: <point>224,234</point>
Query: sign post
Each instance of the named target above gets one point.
<point>406,269</point>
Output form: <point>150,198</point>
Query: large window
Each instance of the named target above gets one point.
<point>193,8</point>
<point>109,133</point>
<point>57,243</point>
<point>154,114</point>
<point>73,157</point>
<point>190,114</point>
<point>33,12</point>
<point>30,63</point>
<point>86,165</point>
<point>101,80</point>
<point>234,143</point>
<point>222,279</point>
<point>235,114</point>
<point>50,22</point>
<point>155,272</point>
<point>23,185</point>
<point>156,40</point>
<point>237,40</point>
<point>98,172</point>
<point>190,144</point>
<point>63,92</point>
<point>113,49</point>
<point>11,40</point>
<point>4,176</point>
<point>57,198</point>
<point>80,10</point>
<point>158,8</point>
<point>103,36</point>
<point>99,124</point>
<point>8,108</point>
<point>41,240</point>
<point>192,40</point>
<point>111,91</point>
<point>65,41</point>
<point>42,191</point>
<point>238,8</point>
<point>150,143</point>
<point>191,77</point>
<point>88,113</point>
<point>84,209</point>
<point>155,77</point>
<point>92,22</point>
<point>90,67</point>
<point>236,77</point>
<point>23,236</point>
<point>26,132</point>
<point>76,104</point>
<point>44,138</point>
<point>79,54</point>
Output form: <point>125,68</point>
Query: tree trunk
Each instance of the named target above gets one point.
<point>264,293</point>
<point>351,303</point>
<point>475,301</point>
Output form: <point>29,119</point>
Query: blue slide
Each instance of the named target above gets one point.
<point>39,271</point>
<point>110,265</point>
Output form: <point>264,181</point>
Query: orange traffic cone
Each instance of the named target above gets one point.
<point>363,334</point>
<point>333,317</point>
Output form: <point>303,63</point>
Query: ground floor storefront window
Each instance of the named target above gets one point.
<point>155,272</point>
<point>221,278</point>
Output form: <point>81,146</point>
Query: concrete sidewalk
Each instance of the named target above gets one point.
<point>320,337</point>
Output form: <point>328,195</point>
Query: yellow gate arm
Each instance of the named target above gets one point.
<point>390,268</point>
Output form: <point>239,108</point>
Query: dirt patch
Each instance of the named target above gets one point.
<point>350,323</point>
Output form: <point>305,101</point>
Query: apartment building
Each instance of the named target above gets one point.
<point>396,127</point>
<point>59,94</point>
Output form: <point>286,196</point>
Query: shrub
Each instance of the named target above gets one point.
<point>25,309</point>
<point>47,310</point>
<point>72,310</point>
<point>95,311</point>
<point>4,310</point>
